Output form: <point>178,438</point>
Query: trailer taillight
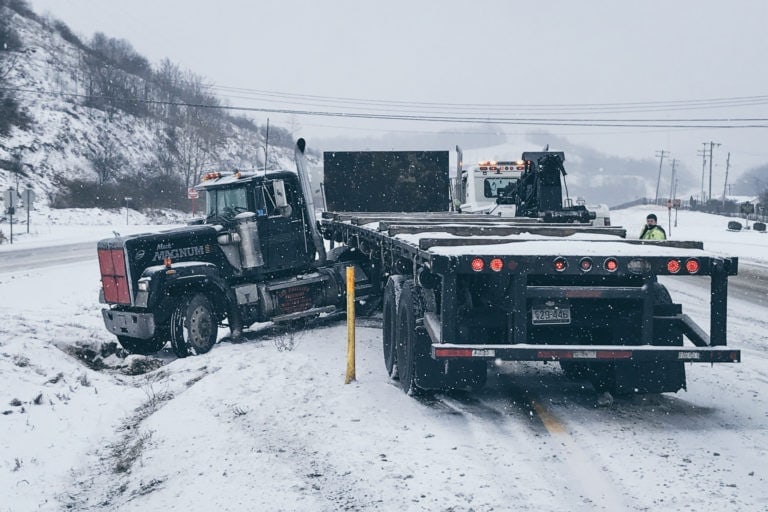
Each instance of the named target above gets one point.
<point>497,264</point>
<point>560,264</point>
<point>692,266</point>
<point>673,266</point>
<point>478,264</point>
<point>585,264</point>
<point>611,265</point>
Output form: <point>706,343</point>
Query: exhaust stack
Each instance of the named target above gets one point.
<point>306,189</point>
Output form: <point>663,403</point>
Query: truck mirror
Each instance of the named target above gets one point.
<point>280,198</point>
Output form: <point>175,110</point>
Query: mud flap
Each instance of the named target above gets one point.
<point>429,372</point>
<point>630,377</point>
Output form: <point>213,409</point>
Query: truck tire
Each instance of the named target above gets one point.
<point>193,325</point>
<point>391,294</point>
<point>417,370</point>
<point>141,346</point>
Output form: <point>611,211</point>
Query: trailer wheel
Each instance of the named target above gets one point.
<point>141,346</point>
<point>418,371</point>
<point>193,326</point>
<point>389,329</point>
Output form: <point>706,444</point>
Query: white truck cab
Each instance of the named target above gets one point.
<point>479,185</point>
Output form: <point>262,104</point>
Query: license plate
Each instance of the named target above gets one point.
<point>552,316</point>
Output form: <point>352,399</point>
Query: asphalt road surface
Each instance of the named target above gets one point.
<point>39,257</point>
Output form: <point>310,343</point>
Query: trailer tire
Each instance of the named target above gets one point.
<point>141,346</point>
<point>194,327</point>
<point>418,371</point>
<point>392,292</point>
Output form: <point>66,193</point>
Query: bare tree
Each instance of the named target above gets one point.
<point>107,160</point>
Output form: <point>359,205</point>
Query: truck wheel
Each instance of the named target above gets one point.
<point>141,346</point>
<point>193,326</point>
<point>418,371</point>
<point>391,293</point>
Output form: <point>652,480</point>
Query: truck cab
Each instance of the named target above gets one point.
<point>479,185</point>
<point>265,212</point>
<point>255,257</point>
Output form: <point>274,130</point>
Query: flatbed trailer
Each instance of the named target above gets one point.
<point>486,289</point>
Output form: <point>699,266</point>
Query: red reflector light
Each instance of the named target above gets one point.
<point>611,264</point>
<point>478,264</point>
<point>692,266</point>
<point>585,264</point>
<point>453,352</point>
<point>614,354</point>
<point>496,264</point>
<point>560,264</point>
<point>673,266</point>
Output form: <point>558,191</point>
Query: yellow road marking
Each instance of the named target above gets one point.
<point>551,423</point>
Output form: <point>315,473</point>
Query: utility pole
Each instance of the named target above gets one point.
<point>711,146</point>
<point>703,153</point>
<point>725,184</point>
<point>661,154</point>
<point>672,180</point>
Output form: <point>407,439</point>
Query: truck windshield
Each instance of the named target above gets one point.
<point>223,204</point>
<point>492,186</point>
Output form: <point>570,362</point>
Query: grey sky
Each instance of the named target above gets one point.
<point>529,53</point>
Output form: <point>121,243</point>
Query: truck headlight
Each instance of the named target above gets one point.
<point>144,284</point>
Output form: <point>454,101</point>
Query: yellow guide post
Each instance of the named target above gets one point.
<point>350,325</point>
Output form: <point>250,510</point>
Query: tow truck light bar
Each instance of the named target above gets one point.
<point>492,165</point>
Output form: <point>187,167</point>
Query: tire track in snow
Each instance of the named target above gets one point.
<point>507,406</point>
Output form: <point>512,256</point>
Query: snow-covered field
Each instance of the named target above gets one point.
<point>270,425</point>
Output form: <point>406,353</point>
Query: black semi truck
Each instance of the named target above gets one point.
<point>458,292</point>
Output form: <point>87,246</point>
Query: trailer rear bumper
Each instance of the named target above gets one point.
<point>525,352</point>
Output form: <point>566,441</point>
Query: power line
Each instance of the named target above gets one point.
<point>711,123</point>
<point>625,106</point>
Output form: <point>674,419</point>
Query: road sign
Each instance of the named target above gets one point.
<point>10,198</point>
<point>28,195</point>
<point>192,193</point>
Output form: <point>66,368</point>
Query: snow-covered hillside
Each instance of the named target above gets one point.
<point>47,79</point>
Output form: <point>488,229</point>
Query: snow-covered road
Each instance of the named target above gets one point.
<point>257,426</point>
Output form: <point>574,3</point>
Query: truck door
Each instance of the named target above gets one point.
<point>283,233</point>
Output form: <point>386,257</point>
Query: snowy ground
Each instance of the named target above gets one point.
<point>270,425</point>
